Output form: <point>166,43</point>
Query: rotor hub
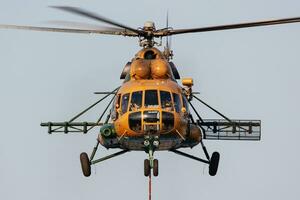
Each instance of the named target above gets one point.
<point>149,26</point>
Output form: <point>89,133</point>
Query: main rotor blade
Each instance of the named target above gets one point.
<point>231,26</point>
<point>82,25</point>
<point>94,16</point>
<point>67,30</point>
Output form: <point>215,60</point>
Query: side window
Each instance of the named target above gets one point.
<point>136,101</point>
<point>118,98</point>
<point>177,103</point>
<point>185,103</point>
<point>125,101</point>
<point>116,106</point>
<point>166,100</point>
<point>151,99</point>
<point>167,121</point>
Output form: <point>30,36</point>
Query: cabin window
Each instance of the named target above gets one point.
<point>177,103</point>
<point>166,100</point>
<point>135,121</point>
<point>136,101</point>
<point>185,103</point>
<point>151,100</point>
<point>125,101</point>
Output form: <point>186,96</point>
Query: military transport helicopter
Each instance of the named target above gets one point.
<point>150,111</point>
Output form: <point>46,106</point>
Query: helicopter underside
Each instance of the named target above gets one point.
<point>164,142</point>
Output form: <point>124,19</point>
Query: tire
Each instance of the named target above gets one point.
<point>85,164</point>
<point>147,168</point>
<point>155,167</point>
<point>214,163</point>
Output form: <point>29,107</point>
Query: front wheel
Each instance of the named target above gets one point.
<point>147,168</point>
<point>155,167</point>
<point>214,163</point>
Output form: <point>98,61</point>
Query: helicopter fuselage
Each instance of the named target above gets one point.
<point>150,104</point>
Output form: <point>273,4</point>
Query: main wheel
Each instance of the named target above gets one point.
<point>85,164</point>
<point>214,163</point>
<point>155,167</point>
<point>147,168</point>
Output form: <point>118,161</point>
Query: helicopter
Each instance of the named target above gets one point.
<point>151,111</point>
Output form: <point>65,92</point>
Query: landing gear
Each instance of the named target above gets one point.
<point>85,164</point>
<point>214,163</point>
<point>150,164</point>
<point>147,167</point>
<point>151,143</point>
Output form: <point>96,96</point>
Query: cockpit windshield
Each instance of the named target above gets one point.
<point>136,101</point>
<point>166,101</point>
<point>151,99</point>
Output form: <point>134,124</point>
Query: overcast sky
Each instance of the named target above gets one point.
<point>246,74</point>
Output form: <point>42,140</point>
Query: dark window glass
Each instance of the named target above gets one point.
<point>116,105</point>
<point>167,121</point>
<point>151,99</point>
<point>151,116</point>
<point>136,100</point>
<point>185,103</point>
<point>135,121</point>
<point>166,101</point>
<point>125,100</point>
<point>177,103</point>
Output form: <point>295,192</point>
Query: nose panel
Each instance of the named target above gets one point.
<point>135,121</point>
<point>152,116</point>
<point>151,121</point>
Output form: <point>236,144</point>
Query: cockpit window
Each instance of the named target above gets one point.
<point>115,114</point>
<point>167,121</point>
<point>185,103</point>
<point>151,100</point>
<point>166,101</point>
<point>125,100</point>
<point>177,103</point>
<point>136,101</point>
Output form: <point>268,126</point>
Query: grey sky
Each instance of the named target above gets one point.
<point>250,73</point>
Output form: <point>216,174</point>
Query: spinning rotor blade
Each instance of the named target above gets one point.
<point>94,16</point>
<point>229,26</point>
<point>109,31</point>
<point>82,25</point>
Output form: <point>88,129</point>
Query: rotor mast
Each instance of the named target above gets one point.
<point>147,39</point>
